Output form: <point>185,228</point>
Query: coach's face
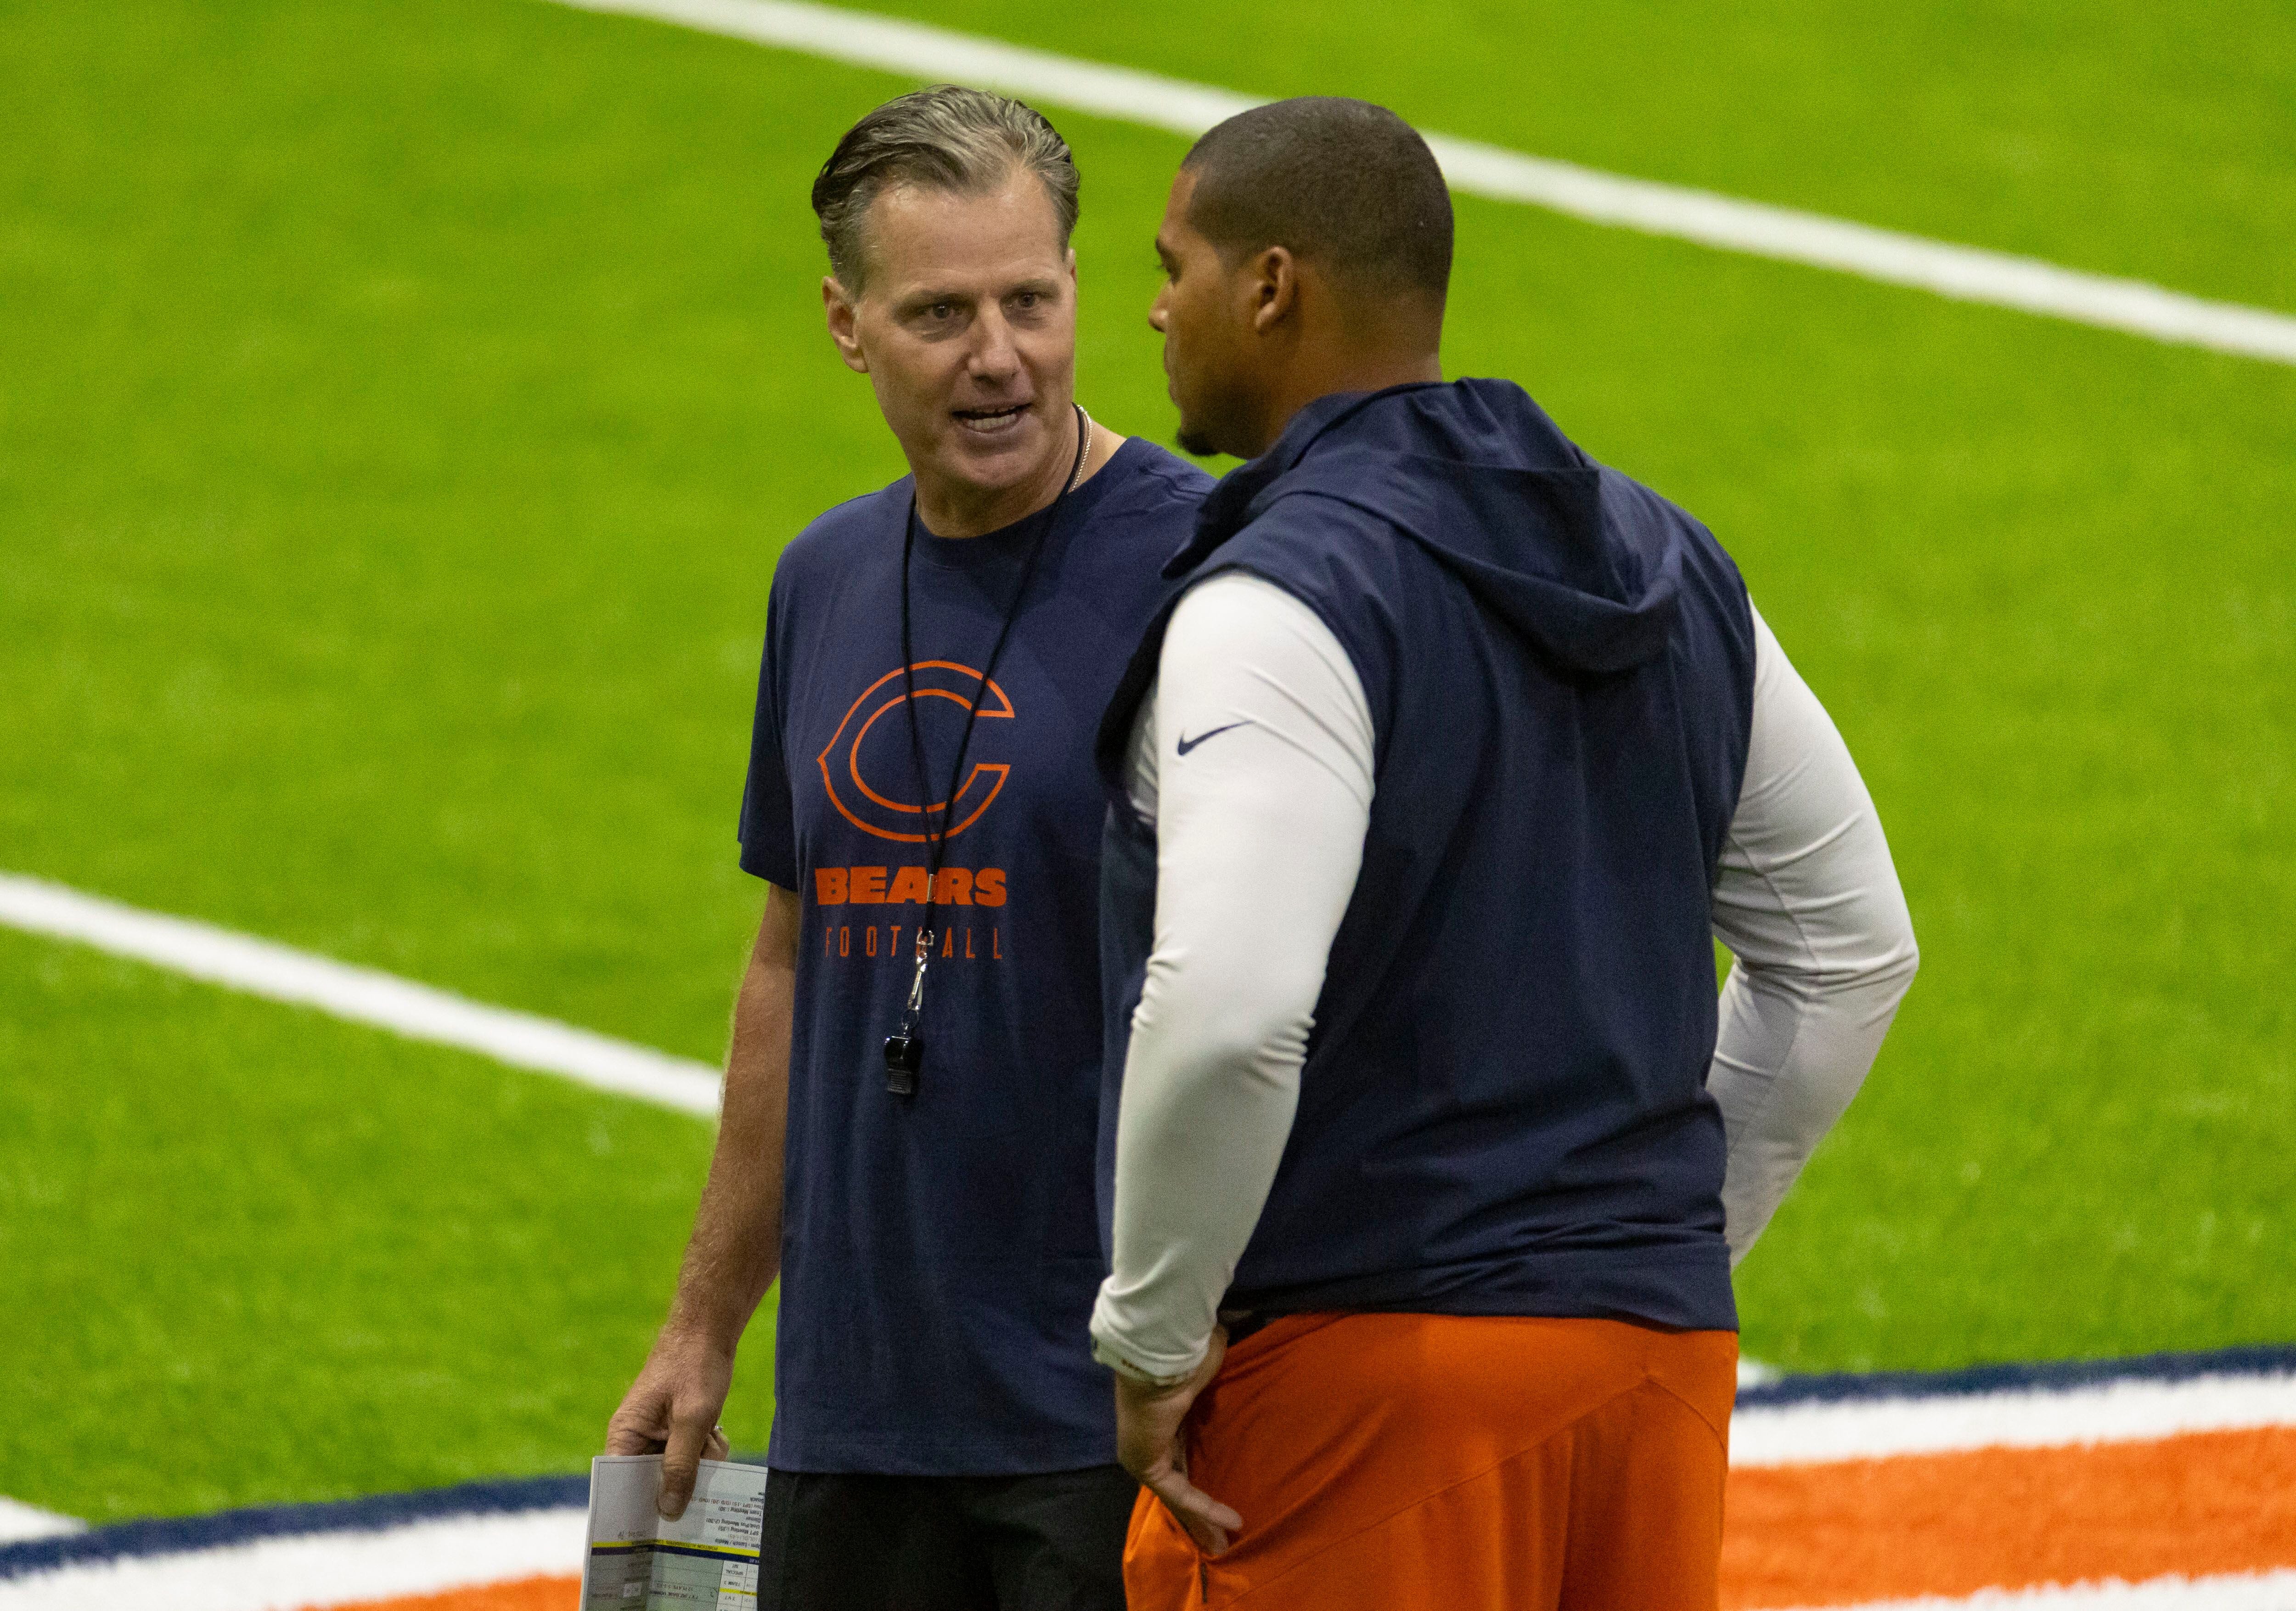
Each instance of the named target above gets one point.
<point>1207,312</point>
<point>967,326</point>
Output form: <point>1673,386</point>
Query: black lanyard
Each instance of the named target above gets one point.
<point>904,1049</point>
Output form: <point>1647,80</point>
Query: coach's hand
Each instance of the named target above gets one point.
<point>672,1410</point>
<point>1148,1422</point>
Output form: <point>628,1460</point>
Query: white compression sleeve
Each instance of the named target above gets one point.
<point>1257,853</point>
<point>1254,756</point>
<point>1808,904</point>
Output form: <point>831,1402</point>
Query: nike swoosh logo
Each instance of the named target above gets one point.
<point>1187,744</point>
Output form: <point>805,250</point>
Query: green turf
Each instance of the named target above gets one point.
<point>401,403</point>
<point>2122,138</point>
<point>393,473</point>
<point>257,1255</point>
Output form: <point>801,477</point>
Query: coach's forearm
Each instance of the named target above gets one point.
<point>736,1252</point>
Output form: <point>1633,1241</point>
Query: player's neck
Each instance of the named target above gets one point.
<point>1324,374</point>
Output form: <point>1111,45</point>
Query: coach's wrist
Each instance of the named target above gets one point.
<point>694,1330</point>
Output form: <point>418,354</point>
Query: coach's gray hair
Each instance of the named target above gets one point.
<point>948,138</point>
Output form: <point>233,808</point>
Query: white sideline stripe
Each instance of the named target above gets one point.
<point>1966,274</point>
<point>363,996</point>
<point>433,1556</point>
<point>317,1569</point>
<point>2238,1591</point>
<point>20,1521</point>
<point>2117,1412</point>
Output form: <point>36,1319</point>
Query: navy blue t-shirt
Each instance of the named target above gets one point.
<point>941,1253</point>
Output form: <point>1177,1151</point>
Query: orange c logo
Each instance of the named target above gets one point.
<point>872,811</point>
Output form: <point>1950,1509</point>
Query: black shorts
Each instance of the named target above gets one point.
<point>1049,1543</point>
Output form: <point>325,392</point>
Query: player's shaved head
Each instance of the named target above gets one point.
<point>1344,184</point>
<point>1307,251</point>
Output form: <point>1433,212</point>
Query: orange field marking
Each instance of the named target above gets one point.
<point>525,1594</point>
<point>1845,1533</point>
<point>1840,1534</point>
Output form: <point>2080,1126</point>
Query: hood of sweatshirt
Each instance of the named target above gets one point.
<point>1584,563</point>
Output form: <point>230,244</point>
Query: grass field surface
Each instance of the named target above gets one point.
<point>2124,139</point>
<point>401,405</point>
<point>257,1256</point>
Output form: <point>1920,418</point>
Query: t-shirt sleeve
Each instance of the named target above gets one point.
<point>768,830</point>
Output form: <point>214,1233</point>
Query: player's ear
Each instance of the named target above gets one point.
<point>1273,280</point>
<point>843,315</point>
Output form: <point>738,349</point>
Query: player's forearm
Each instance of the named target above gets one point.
<point>1260,823</point>
<point>1209,1098</point>
<point>1808,902</point>
<point>1786,1064</point>
<point>735,1251</point>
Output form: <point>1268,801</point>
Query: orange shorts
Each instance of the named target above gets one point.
<point>1429,1462</point>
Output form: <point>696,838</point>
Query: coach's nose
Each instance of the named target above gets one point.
<point>995,358</point>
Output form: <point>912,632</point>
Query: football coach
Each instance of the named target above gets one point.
<point>911,1096</point>
<point>1427,797</point>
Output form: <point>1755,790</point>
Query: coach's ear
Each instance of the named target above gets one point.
<point>844,324</point>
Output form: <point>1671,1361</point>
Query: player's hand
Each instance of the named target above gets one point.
<point>672,1410</point>
<point>1148,1422</point>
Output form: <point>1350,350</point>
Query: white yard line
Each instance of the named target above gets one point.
<point>20,1521</point>
<point>2235,1591</point>
<point>2030,1419</point>
<point>1966,274</point>
<point>316,1569</point>
<point>442,1555</point>
<point>363,996</point>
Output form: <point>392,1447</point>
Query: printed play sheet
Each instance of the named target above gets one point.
<point>706,1560</point>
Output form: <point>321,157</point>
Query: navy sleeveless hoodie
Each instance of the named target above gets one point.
<point>1504,1106</point>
